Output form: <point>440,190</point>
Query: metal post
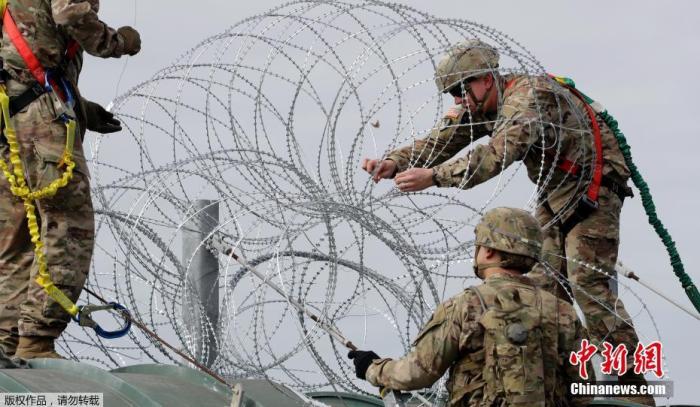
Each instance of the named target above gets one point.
<point>200,307</point>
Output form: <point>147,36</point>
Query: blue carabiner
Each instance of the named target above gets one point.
<point>119,332</point>
<point>89,322</point>
<point>65,90</point>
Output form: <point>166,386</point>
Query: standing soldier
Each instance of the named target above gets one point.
<point>41,50</point>
<point>570,154</point>
<point>505,342</point>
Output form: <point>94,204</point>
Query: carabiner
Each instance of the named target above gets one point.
<point>62,108</point>
<point>83,318</point>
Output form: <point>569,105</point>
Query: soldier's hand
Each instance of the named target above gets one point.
<point>100,120</point>
<point>414,179</point>
<point>379,169</point>
<point>132,40</point>
<point>362,359</point>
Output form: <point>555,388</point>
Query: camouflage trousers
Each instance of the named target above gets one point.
<point>66,227</point>
<point>587,255</point>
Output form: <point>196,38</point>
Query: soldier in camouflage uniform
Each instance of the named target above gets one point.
<point>504,342</point>
<point>29,319</point>
<point>535,120</point>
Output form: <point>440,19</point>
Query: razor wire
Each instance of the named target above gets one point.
<point>270,120</point>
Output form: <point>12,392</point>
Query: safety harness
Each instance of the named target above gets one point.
<point>647,200</point>
<point>589,201</point>
<point>46,82</point>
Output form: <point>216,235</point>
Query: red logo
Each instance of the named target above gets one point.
<point>646,358</point>
<point>649,359</point>
<point>614,359</point>
<point>582,357</point>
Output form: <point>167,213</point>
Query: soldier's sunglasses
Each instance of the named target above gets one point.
<point>461,89</point>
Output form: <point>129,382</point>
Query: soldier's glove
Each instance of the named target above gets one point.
<point>100,120</point>
<point>362,359</point>
<point>132,40</point>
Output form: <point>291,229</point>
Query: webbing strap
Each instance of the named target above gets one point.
<point>594,187</point>
<point>72,49</point>
<point>569,167</point>
<point>25,51</point>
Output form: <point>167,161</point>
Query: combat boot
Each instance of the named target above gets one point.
<point>33,347</point>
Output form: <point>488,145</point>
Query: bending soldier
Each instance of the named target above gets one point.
<point>550,128</point>
<point>504,342</point>
<point>51,38</point>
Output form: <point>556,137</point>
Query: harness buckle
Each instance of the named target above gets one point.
<point>587,204</point>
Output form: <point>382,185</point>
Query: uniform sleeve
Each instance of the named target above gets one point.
<point>434,351</point>
<point>446,139</point>
<point>515,131</point>
<point>80,20</point>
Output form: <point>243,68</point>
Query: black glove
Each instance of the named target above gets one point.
<point>100,120</point>
<point>132,40</point>
<point>362,359</point>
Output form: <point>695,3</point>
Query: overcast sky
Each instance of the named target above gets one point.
<point>639,58</point>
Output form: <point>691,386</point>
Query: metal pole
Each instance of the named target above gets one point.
<point>621,268</point>
<point>200,308</point>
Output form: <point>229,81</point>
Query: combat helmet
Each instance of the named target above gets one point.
<point>510,230</point>
<point>465,60</point>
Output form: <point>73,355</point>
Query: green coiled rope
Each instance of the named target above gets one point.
<point>647,200</point>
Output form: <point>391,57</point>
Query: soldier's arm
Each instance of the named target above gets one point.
<point>81,22</point>
<point>446,139</point>
<point>514,133</point>
<point>435,349</point>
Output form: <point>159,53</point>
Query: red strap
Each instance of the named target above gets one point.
<point>23,48</point>
<point>594,188</point>
<point>569,167</point>
<point>72,49</point>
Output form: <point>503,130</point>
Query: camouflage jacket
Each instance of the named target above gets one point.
<point>453,340</point>
<point>538,122</point>
<point>48,26</point>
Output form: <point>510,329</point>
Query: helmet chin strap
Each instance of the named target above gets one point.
<point>479,103</point>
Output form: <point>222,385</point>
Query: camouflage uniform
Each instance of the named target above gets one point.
<point>66,220</point>
<point>454,339</point>
<point>505,342</point>
<point>540,124</point>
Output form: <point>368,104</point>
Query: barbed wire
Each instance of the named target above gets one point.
<point>269,121</point>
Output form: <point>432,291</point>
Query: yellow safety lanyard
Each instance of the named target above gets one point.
<point>14,173</point>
